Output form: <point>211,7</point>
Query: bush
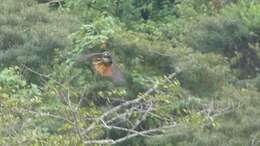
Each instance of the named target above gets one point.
<point>29,33</point>
<point>230,33</point>
<point>207,43</point>
<point>203,74</point>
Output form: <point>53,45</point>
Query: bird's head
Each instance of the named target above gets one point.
<point>106,57</point>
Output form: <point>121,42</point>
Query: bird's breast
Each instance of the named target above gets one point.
<point>104,69</point>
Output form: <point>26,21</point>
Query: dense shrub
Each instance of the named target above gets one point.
<point>231,34</point>
<point>210,45</point>
<point>127,10</point>
<point>29,33</point>
<point>204,74</point>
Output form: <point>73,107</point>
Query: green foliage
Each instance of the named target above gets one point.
<point>204,74</point>
<point>125,10</point>
<point>28,114</point>
<point>29,33</point>
<point>230,33</point>
<point>211,45</point>
<point>16,95</point>
<point>217,34</point>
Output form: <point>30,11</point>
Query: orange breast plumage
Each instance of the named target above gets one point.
<point>104,69</point>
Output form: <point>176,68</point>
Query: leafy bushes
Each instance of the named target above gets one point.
<point>210,48</point>
<point>29,33</point>
<point>202,78</point>
<point>230,33</point>
<point>218,35</point>
<point>15,96</point>
<point>26,113</point>
<point>135,10</point>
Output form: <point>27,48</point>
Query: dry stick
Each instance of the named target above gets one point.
<point>75,118</point>
<point>161,129</point>
<point>119,128</point>
<point>121,116</point>
<point>153,114</point>
<point>112,142</point>
<point>99,142</point>
<point>39,74</point>
<point>143,116</point>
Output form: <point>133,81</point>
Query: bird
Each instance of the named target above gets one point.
<point>104,65</point>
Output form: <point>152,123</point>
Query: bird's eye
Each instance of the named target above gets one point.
<point>97,59</point>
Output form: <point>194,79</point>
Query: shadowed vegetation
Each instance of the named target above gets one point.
<point>191,72</point>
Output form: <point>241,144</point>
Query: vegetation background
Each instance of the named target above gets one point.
<point>212,47</point>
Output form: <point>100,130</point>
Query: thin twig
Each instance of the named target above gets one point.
<point>75,117</point>
<point>45,114</point>
<point>119,128</point>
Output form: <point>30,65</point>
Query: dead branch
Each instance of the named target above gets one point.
<point>143,116</point>
<point>113,142</point>
<point>132,130</point>
<point>116,108</point>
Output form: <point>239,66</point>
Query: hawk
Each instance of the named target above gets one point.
<point>105,65</point>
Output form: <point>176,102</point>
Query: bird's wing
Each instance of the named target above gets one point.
<point>117,75</point>
<point>91,55</point>
<point>87,56</point>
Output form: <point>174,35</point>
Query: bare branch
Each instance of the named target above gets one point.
<point>141,133</point>
<point>115,109</point>
<point>41,75</point>
<point>74,112</point>
<point>143,116</point>
<point>125,104</point>
<point>122,116</point>
<point>119,128</point>
<point>105,141</point>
